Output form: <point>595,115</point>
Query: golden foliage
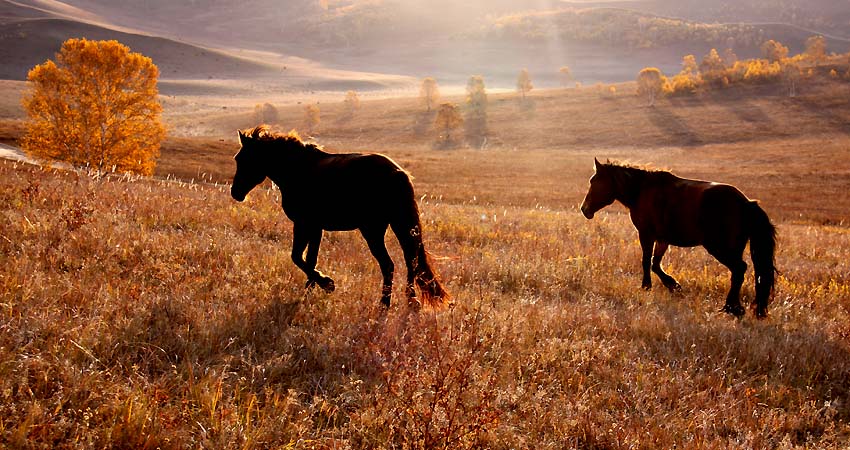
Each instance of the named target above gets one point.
<point>774,51</point>
<point>448,119</point>
<point>476,95</point>
<point>96,105</point>
<point>429,93</point>
<point>265,113</point>
<point>816,49</point>
<point>312,117</point>
<point>523,82</point>
<point>651,84</point>
<point>351,102</point>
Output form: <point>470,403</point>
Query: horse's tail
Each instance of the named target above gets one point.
<point>408,230</point>
<point>762,251</point>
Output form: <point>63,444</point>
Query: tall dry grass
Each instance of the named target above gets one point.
<point>146,313</point>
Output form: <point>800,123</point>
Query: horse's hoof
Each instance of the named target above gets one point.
<point>646,287</point>
<point>385,302</point>
<point>674,287</point>
<point>327,284</point>
<point>761,314</point>
<point>414,304</point>
<point>735,310</point>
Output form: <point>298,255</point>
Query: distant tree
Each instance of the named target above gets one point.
<point>312,117</point>
<point>523,83</point>
<point>774,51</point>
<point>96,105</point>
<point>690,66</point>
<point>429,93</point>
<point>265,113</point>
<point>688,80</point>
<point>651,83</point>
<point>712,68</point>
<point>475,123</point>
<point>816,49</point>
<point>791,74</point>
<point>448,119</point>
<point>729,57</point>
<point>566,76</point>
<point>351,103</point>
<point>476,95</point>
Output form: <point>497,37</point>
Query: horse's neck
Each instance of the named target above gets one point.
<point>631,183</point>
<point>289,170</point>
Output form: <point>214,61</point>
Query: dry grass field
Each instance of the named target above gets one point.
<point>159,313</point>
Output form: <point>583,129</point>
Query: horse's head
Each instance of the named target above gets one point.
<point>601,192</point>
<point>251,163</point>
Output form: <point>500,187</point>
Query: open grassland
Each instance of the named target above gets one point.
<point>159,313</point>
<point>145,313</point>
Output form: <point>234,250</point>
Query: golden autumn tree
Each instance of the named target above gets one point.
<point>773,51</point>
<point>312,117</point>
<point>351,103</point>
<point>816,49</point>
<point>651,83</point>
<point>448,119</point>
<point>95,105</point>
<point>429,93</point>
<point>523,83</point>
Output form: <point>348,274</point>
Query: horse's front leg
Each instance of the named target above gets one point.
<point>669,282</point>
<point>646,244</point>
<point>309,238</point>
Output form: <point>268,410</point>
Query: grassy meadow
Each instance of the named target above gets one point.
<point>159,313</point>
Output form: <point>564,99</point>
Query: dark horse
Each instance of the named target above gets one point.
<point>668,210</point>
<point>334,192</point>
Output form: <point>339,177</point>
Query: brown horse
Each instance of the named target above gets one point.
<point>668,210</point>
<point>335,192</point>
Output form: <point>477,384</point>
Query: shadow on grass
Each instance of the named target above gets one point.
<point>672,125</point>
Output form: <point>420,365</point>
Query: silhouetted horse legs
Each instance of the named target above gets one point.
<point>651,260</point>
<point>375,239</point>
<point>735,262</point>
<point>669,282</point>
<point>410,248</point>
<point>309,237</point>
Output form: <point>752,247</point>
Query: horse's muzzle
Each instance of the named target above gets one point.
<point>238,196</point>
<point>586,211</point>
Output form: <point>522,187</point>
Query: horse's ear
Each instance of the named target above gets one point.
<point>596,164</point>
<point>241,136</point>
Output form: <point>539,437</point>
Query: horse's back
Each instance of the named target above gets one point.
<point>686,212</point>
<point>351,190</point>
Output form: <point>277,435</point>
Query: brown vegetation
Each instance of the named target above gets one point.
<point>159,313</point>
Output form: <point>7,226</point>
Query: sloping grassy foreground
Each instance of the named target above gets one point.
<point>141,313</point>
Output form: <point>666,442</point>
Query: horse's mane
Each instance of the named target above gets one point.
<point>644,168</point>
<point>265,133</point>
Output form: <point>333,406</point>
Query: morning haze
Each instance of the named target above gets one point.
<point>158,293</point>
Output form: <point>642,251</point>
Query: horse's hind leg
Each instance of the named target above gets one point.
<point>410,247</point>
<point>375,239</point>
<point>309,238</point>
<point>669,282</point>
<point>738,268</point>
<point>646,244</point>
